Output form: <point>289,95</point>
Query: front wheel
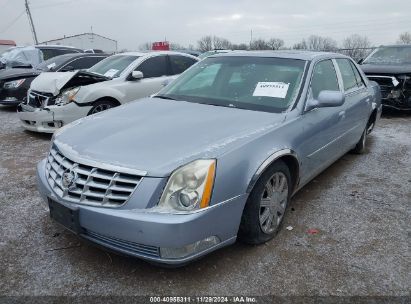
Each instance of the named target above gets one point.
<point>101,106</point>
<point>266,205</point>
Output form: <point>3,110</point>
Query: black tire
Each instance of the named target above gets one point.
<point>101,106</point>
<point>360,146</point>
<point>251,230</point>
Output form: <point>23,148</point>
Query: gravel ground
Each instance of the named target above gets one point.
<point>360,207</point>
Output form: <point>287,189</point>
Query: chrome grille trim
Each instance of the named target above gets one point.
<point>93,186</point>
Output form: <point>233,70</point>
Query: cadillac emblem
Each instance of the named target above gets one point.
<point>68,179</point>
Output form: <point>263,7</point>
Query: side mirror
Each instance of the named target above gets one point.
<point>326,99</point>
<point>360,61</point>
<point>136,75</point>
<point>68,68</point>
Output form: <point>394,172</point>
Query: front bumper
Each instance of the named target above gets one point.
<point>143,234</point>
<point>50,119</point>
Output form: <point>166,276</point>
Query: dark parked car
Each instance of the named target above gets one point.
<point>390,67</point>
<point>14,83</point>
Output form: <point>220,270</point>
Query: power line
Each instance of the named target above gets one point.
<point>12,22</point>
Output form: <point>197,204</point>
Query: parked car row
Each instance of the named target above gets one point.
<point>215,155</point>
<point>56,99</point>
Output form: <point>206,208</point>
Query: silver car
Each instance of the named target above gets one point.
<point>214,156</point>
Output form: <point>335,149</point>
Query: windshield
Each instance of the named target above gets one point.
<point>390,55</point>
<point>113,66</point>
<point>53,63</point>
<point>21,57</point>
<point>253,83</point>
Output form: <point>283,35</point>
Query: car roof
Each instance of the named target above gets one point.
<point>290,54</point>
<point>153,52</point>
<point>75,55</point>
<point>50,46</point>
<point>396,45</point>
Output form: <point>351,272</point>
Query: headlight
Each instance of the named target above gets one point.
<point>67,96</point>
<point>13,84</point>
<point>189,187</point>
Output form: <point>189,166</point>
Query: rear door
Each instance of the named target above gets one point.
<point>357,101</point>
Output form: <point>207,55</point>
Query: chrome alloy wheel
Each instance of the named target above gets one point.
<point>273,202</point>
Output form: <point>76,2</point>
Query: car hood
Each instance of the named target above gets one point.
<point>18,73</point>
<point>157,136</point>
<point>385,69</point>
<point>54,82</point>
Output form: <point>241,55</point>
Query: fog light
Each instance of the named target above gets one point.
<point>175,253</point>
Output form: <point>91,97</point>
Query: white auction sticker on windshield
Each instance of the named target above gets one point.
<point>110,73</point>
<point>271,89</point>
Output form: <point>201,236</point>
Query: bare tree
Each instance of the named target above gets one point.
<point>356,46</point>
<point>176,46</point>
<point>145,46</point>
<point>221,43</point>
<point>205,44</point>
<point>319,43</point>
<point>405,38</point>
<point>259,44</point>
<point>241,46</point>
<point>275,43</point>
<point>300,45</point>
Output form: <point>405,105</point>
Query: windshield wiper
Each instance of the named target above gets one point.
<point>164,97</point>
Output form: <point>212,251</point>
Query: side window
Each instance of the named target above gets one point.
<point>180,63</point>
<point>348,76</point>
<point>50,53</point>
<point>84,62</point>
<point>360,82</point>
<point>153,67</point>
<point>324,78</point>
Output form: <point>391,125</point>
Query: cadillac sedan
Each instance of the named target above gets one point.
<point>213,157</point>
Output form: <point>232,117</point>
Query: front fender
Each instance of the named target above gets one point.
<point>88,94</point>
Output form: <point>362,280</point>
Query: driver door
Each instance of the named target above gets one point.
<point>155,75</point>
<point>321,127</point>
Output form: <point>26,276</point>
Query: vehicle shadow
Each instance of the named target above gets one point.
<point>6,108</point>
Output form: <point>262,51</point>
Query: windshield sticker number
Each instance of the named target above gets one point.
<point>110,73</point>
<point>271,89</point>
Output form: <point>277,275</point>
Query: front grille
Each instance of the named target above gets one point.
<point>39,100</point>
<point>90,185</point>
<point>131,247</point>
<point>385,83</point>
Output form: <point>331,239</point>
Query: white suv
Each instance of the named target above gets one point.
<point>56,99</point>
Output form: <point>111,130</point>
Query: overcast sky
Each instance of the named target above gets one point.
<point>133,22</point>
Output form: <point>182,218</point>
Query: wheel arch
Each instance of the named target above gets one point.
<point>290,159</point>
<point>108,98</point>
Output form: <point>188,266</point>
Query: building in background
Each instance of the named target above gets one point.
<point>86,41</point>
<point>6,44</point>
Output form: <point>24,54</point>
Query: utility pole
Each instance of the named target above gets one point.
<point>251,38</point>
<point>33,30</point>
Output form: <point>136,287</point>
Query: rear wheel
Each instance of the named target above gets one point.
<point>101,106</point>
<point>360,146</point>
<point>266,206</point>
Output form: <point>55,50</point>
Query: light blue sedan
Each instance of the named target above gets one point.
<point>214,156</point>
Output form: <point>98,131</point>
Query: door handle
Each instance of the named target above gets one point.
<point>341,115</point>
